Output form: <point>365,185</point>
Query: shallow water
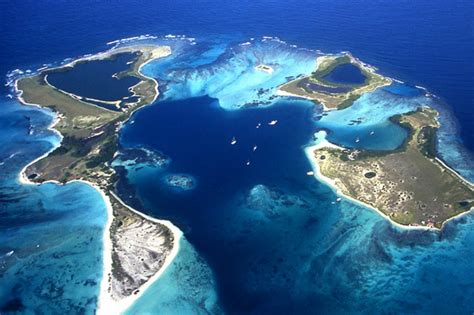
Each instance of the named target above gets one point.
<point>347,260</point>
<point>296,246</point>
<point>186,287</point>
<point>46,229</point>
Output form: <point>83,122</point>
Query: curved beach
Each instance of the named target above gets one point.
<point>106,303</point>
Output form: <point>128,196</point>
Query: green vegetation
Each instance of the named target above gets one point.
<point>77,118</point>
<point>348,101</point>
<point>106,153</point>
<point>88,146</point>
<point>326,68</point>
<point>408,184</point>
<point>89,131</point>
<point>334,95</point>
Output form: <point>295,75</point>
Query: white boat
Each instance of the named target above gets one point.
<point>338,199</point>
<point>357,140</point>
<point>273,122</point>
<point>258,125</point>
<point>372,132</point>
<point>248,163</point>
<point>234,141</point>
<point>254,148</point>
<point>310,173</point>
<point>9,253</point>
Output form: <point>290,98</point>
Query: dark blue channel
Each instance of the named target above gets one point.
<point>196,134</point>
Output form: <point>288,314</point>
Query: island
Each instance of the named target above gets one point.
<point>336,83</point>
<point>409,185</point>
<point>264,68</point>
<point>89,115</point>
<point>92,97</point>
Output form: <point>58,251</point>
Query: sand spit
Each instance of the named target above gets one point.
<point>137,248</point>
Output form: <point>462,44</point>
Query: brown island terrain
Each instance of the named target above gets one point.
<point>330,94</point>
<point>409,185</point>
<point>140,246</point>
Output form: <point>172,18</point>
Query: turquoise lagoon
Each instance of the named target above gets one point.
<point>260,235</point>
<point>51,240</point>
<point>275,239</point>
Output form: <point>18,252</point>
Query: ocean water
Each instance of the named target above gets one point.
<point>296,246</point>
<point>262,238</point>
<point>51,236</point>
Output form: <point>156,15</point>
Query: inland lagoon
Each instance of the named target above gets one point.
<point>96,79</point>
<point>345,74</point>
<point>260,233</point>
<point>255,216</point>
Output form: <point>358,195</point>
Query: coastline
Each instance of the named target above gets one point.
<point>331,100</point>
<point>105,303</point>
<point>280,92</point>
<point>323,143</point>
<point>467,182</point>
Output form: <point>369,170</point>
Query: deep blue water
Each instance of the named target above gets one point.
<point>286,247</point>
<point>201,145</point>
<point>215,215</point>
<point>94,78</point>
<point>345,74</point>
<point>429,43</point>
<point>276,240</point>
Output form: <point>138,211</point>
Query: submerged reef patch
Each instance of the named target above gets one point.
<point>180,181</point>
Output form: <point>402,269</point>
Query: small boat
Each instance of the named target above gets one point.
<point>338,199</point>
<point>357,140</point>
<point>273,122</point>
<point>9,253</point>
<point>310,173</point>
<point>372,132</point>
<point>254,148</point>
<point>258,125</point>
<point>234,141</point>
<point>248,163</point>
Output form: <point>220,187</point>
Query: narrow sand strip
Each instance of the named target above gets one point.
<point>106,305</point>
